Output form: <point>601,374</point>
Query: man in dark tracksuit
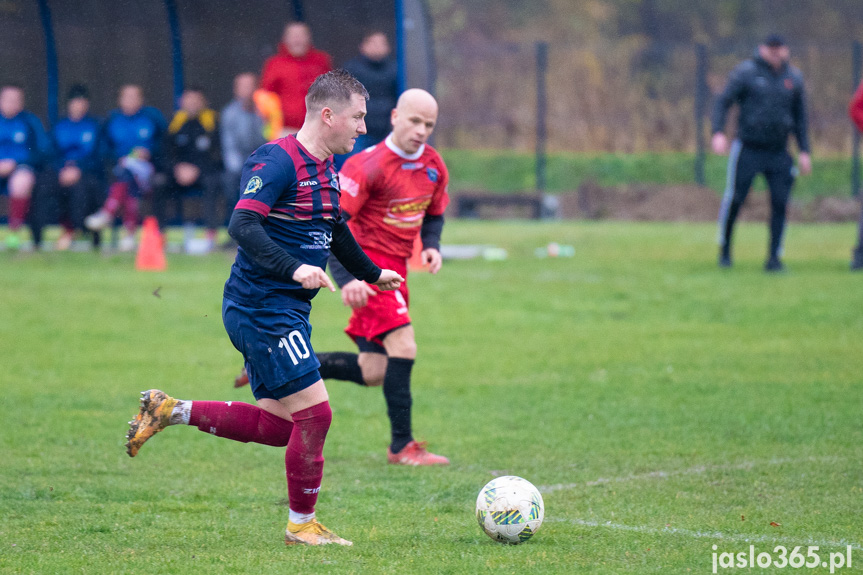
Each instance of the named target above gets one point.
<point>772,104</point>
<point>378,72</point>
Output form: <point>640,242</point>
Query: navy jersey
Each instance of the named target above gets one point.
<point>299,197</point>
<point>122,133</point>
<point>77,144</point>
<point>23,139</point>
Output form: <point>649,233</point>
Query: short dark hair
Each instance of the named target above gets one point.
<point>374,32</point>
<point>774,41</point>
<point>78,91</point>
<point>332,89</point>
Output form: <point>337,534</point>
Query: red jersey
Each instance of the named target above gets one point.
<point>388,193</point>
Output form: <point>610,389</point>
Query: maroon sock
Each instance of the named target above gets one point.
<point>304,458</point>
<point>240,422</point>
<point>130,214</point>
<point>18,208</point>
<point>117,194</point>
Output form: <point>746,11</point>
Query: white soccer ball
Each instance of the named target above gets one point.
<point>510,509</point>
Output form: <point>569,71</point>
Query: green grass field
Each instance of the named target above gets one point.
<point>661,404</point>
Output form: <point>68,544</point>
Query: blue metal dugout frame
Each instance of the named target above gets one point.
<point>401,61</point>
<point>176,50</point>
<point>50,61</point>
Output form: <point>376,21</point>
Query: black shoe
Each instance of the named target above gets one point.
<point>724,260</point>
<point>774,265</point>
<point>857,262</point>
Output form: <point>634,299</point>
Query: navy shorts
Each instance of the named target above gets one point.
<point>276,345</point>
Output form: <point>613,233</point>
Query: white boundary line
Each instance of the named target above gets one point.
<point>717,535</point>
<point>697,470</point>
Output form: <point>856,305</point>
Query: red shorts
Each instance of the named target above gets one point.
<point>385,311</point>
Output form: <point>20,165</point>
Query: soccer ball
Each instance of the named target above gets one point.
<point>509,509</point>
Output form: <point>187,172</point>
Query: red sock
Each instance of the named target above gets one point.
<point>304,459</point>
<point>240,422</point>
<point>116,197</point>
<point>18,208</point>
<point>130,213</point>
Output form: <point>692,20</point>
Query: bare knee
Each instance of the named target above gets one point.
<point>374,367</point>
<point>21,183</point>
<point>276,408</point>
<point>401,343</point>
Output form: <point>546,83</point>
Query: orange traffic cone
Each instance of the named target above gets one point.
<point>151,252</point>
<point>416,263</point>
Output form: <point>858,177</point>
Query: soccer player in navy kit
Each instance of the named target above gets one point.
<point>287,222</point>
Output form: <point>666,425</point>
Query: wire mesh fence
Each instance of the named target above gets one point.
<point>622,97</point>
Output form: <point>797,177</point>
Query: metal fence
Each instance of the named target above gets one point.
<point>623,97</point>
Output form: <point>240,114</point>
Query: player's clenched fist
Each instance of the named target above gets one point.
<point>356,294</point>
<point>389,280</point>
<point>433,259</point>
<point>313,277</point>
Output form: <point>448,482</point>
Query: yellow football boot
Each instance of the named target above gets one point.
<point>153,417</point>
<point>311,533</point>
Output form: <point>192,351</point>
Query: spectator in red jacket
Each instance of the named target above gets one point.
<point>855,110</point>
<point>292,70</point>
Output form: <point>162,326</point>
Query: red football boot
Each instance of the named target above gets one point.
<point>242,379</point>
<point>415,453</point>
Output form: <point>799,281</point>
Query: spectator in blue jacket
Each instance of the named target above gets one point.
<point>23,147</point>
<point>78,164</point>
<point>131,140</point>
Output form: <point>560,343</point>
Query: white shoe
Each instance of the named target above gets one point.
<point>65,241</point>
<point>98,221</point>
<point>127,243</point>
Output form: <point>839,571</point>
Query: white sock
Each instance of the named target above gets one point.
<point>300,518</point>
<point>181,413</point>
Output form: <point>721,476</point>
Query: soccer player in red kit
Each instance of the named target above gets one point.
<point>391,193</point>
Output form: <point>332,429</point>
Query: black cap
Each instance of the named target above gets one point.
<point>78,91</point>
<point>774,41</point>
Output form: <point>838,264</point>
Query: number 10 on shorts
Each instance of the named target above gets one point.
<point>295,346</point>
